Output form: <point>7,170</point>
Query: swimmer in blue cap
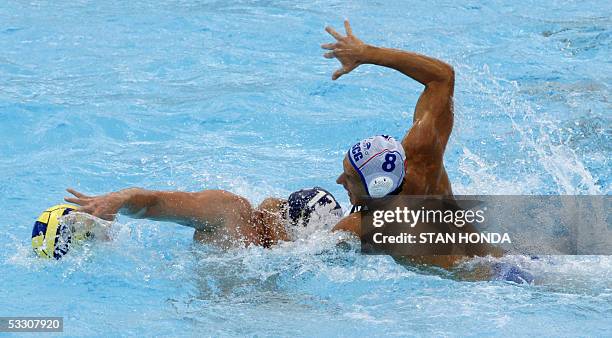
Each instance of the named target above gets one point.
<point>218,216</point>
<point>381,165</point>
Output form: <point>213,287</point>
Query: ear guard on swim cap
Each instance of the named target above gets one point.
<point>306,203</point>
<point>379,161</point>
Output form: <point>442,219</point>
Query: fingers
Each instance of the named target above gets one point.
<point>347,28</point>
<point>335,48</point>
<point>342,71</point>
<point>76,193</point>
<point>75,200</point>
<point>333,33</point>
<point>81,203</point>
<point>87,210</point>
<point>338,73</point>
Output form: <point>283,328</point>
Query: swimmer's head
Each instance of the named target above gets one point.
<point>313,204</point>
<point>374,167</point>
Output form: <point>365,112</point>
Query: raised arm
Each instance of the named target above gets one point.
<point>433,116</point>
<point>195,210</point>
<point>435,103</point>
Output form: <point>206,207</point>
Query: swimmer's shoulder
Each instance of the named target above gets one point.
<point>350,223</point>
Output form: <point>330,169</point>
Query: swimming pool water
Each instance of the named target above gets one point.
<point>190,95</point>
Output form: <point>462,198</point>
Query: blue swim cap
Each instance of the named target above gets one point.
<point>303,204</point>
<point>379,161</point>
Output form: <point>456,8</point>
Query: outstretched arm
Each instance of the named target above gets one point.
<point>433,117</point>
<point>196,209</point>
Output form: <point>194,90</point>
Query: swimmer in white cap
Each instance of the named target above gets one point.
<point>379,166</point>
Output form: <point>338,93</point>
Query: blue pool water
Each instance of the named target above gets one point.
<point>190,95</point>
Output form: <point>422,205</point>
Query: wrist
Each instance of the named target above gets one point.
<point>124,197</point>
<point>367,53</point>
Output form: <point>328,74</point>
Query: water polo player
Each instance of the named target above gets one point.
<point>379,166</point>
<point>218,216</point>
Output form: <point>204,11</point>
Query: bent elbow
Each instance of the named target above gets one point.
<point>449,73</point>
<point>444,75</point>
<point>444,79</point>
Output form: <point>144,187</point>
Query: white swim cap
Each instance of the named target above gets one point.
<point>379,161</point>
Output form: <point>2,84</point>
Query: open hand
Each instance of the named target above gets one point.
<point>347,49</point>
<point>103,206</point>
